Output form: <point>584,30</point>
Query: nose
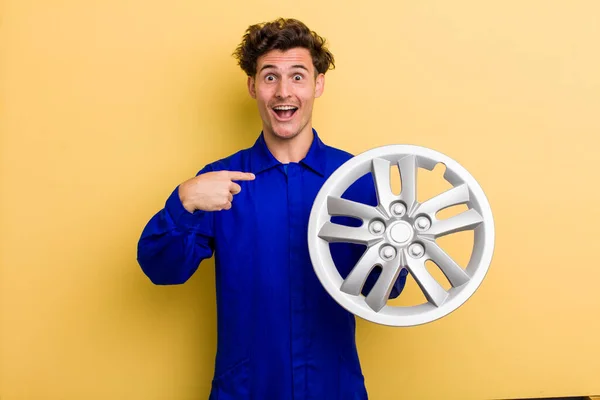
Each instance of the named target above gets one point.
<point>283,89</point>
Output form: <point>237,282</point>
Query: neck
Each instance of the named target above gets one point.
<point>289,150</point>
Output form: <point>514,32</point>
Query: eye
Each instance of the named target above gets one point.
<point>297,77</point>
<point>269,78</point>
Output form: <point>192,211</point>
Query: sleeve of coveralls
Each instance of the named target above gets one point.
<point>175,241</point>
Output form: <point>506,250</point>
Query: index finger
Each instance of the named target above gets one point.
<point>241,176</point>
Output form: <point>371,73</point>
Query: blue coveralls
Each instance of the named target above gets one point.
<point>280,335</point>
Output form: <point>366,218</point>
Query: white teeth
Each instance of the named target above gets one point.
<point>282,108</point>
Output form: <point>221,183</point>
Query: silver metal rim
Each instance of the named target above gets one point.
<point>400,233</point>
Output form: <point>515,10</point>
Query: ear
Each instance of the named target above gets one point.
<point>251,88</point>
<point>319,85</point>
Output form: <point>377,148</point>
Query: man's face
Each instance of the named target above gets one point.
<point>285,89</point>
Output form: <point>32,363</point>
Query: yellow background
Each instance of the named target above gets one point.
<point>106,105</point>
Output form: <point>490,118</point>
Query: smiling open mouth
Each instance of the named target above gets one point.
<point>285,112</point>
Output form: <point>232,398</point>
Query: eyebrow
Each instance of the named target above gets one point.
<point>267,66</point>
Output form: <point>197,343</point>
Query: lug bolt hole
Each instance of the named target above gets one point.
<point>398,209</point>
<point>388,252</point>
<point>416,250</point>
<point>377,227</point>
<point>422,223</point>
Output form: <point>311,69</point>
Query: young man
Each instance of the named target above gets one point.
<point>280,335</point>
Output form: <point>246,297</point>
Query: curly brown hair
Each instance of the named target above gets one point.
<point>282,34</point>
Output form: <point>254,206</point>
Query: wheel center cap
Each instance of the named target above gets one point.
<point>401,232</point>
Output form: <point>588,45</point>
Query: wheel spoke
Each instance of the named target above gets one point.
<point>356,279</point>
<point>455,274</point>
<point>380,293</point>
<point>381,176</point>
<point>456,195</point>
<point>342,207</point>
<point>429,286</point>
<point>340,233</point>
<point>408,176</point>
<point>461,222</point>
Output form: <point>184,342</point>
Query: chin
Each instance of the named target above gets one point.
<point>285,133</point>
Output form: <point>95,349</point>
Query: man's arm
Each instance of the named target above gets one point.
<point>181,235</point>
<point>174,242</point>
